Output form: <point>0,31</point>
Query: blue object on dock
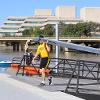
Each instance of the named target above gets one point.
<point>5,64</point>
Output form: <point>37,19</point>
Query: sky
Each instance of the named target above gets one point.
<point>27,7</point>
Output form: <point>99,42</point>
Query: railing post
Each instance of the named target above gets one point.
<point>78,75</point>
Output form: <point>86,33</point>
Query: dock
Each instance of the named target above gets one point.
<point>24,87</point>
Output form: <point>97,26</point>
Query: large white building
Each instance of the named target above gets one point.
<point>14,25</point>
<point>90,14</point>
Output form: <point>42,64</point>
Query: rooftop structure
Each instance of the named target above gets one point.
<point>90,14</point>
<point>67,12</point>
<point>43,12</point>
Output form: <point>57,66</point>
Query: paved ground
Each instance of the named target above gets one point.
<point>88,92</point>
<point>11,89</point>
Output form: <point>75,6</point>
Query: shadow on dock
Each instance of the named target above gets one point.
<point>87,96</point>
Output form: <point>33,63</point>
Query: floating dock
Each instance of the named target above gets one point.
<point>15,89</point>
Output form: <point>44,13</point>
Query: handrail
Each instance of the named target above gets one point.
<point>20,37</point>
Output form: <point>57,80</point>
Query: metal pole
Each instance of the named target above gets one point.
<point>57,39</point>
<point>57,47</point>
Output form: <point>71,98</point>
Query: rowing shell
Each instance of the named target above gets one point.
<point>68,45</point>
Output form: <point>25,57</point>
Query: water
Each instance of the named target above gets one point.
<point>6,54</point>
<point>82,56</point>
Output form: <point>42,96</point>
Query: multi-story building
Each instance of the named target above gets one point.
<point>12,25</point>
<point>15,25</point>
<point>90,14</point>
<point>66,12</point>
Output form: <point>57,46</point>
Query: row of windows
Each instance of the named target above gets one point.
<point>7,33</point>
<point>37,18</point>
<point>26,26</point>
<point>36,22</point>
<point>10,28</point>
<point>15,19</point>
<point>13,24</point>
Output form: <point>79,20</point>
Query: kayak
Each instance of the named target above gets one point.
<point>5,64</point>
<point>29,69</point>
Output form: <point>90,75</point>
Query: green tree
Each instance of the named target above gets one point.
<point>37,31</point>
<point>48,30</point>
<point>61,26</point>
<point>70,30</point>
<point>27,32</point>
<point>79,29</point>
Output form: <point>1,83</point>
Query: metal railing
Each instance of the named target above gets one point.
<point>76,69</point>
<point>71,69</point>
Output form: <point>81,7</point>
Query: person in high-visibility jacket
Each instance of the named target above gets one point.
<point>42,51</point>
